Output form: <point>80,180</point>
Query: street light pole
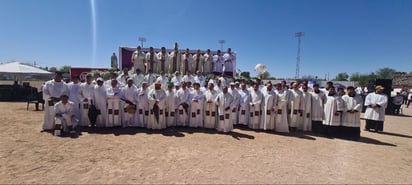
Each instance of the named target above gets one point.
<point>142,39</point>
<point>221,42</point>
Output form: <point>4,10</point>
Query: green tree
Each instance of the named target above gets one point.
<point>245,75</point>
<point>342,77</point>
<point>385,73</point>
<point>65,69</point>
<point>265,75</point>
<point>52,69</point>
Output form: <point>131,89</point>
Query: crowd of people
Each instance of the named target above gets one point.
<point>134,99</point>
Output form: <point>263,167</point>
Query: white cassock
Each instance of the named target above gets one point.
<point>218,64</point>
<point>269,110</point>
<point>196,109</point>
<point>176,80</point>
<point>244,103</point>
<point>229,62</point>
<point>256,106</point>
<point>129,94</point>
<point>100,101</point>
<point>163,80</point>
<point>377,113</point>
<point>224,101</point>
<point>67,112</point>
<point>318,104</point>
<point>352,104</point>
<point>157,116</point>
<point>86,97</point>
<point>186,63</point>
<point>142,110</point>
<point>207,66</point>
<point>138,79</point>
<point>188,78</point>
<point>150,79</point>
<point>200,79</point>
<point>333,110</point>
<point>74,97</point>
<point>210,109</point>
<point>151,62</point>
<point>183,114</point>
<point>113,107</point>
<point>170,109</point>
<point>296,108</point>
<point>234,110</point>
<point>307,109</point>
<point>282,121</point>
<point>138,59</point>
<point>122,80</point>
<point>197,63</point>
<point>162,62</point>
<point>56,90</point>
<point>174,62</point>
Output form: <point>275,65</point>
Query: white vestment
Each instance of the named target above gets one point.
<point>188,78</point>
<point>377,113</point>
<point>229,61</point>
<point>318,106</point>
<point>113,107</point>
<point>234,110</point>
<point>129,94</point>
<point>176,80</point>
<point>296,108</point>
<point>151,62</point>
<point>171,105</point>
<point>186,63</point>
<point>157,119</point>
<point>183,114</point>
<point>207,66</point>
<point>210,109</point>
<point>100,101</point>
<point>196,109</point>
<point>351,117</point>
<point>333,110</point>
<point>269,110</point>
<point>256,106</point>
<point>138,60</point>
<point>52,89</point>
<point>138,79</point>
<point>218,64</point>
<point>163,80</point>
<point>307,109</point>
<point>200,79</point>
<point>174,62</point>
<point>197,63</point>
<point>86,98</point>
<point>282,121</point>
<point>150,79</point>
<point>142,111</point>
<point>67,114</point>
<point>162,62</point>
<point>244,103</point>
<point>74,97</point>
<point>223,102</point>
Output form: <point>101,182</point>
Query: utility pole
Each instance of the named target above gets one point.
<point>142,39</point>
<point>299,35</point>
<point>221,42</point>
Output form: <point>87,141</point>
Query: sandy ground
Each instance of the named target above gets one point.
<point>199,156</point>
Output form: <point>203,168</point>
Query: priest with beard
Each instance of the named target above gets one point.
<point>129,107</point>
<point>334,108</point>
<point>351,117</point>
<point>52,91</point>
<point>196,107</point>
<point>269,113</point>
<point>224,102</point>
<point>171,105</point>
<point>157,97</point>
<point>256,105</point>
<point>244,102</point>
<point>100,101</point>
<point>113,105</point>
<point>282,124</point>
<point>317,109</point>
<point>210,106</point>
<point>375,103</point>
<point>142,105</point>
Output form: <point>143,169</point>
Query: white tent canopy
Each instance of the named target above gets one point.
<point>21,71</point>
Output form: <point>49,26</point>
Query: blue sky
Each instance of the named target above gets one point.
<point>340,35</point>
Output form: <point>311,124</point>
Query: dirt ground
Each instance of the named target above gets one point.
<point>107,156</point>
